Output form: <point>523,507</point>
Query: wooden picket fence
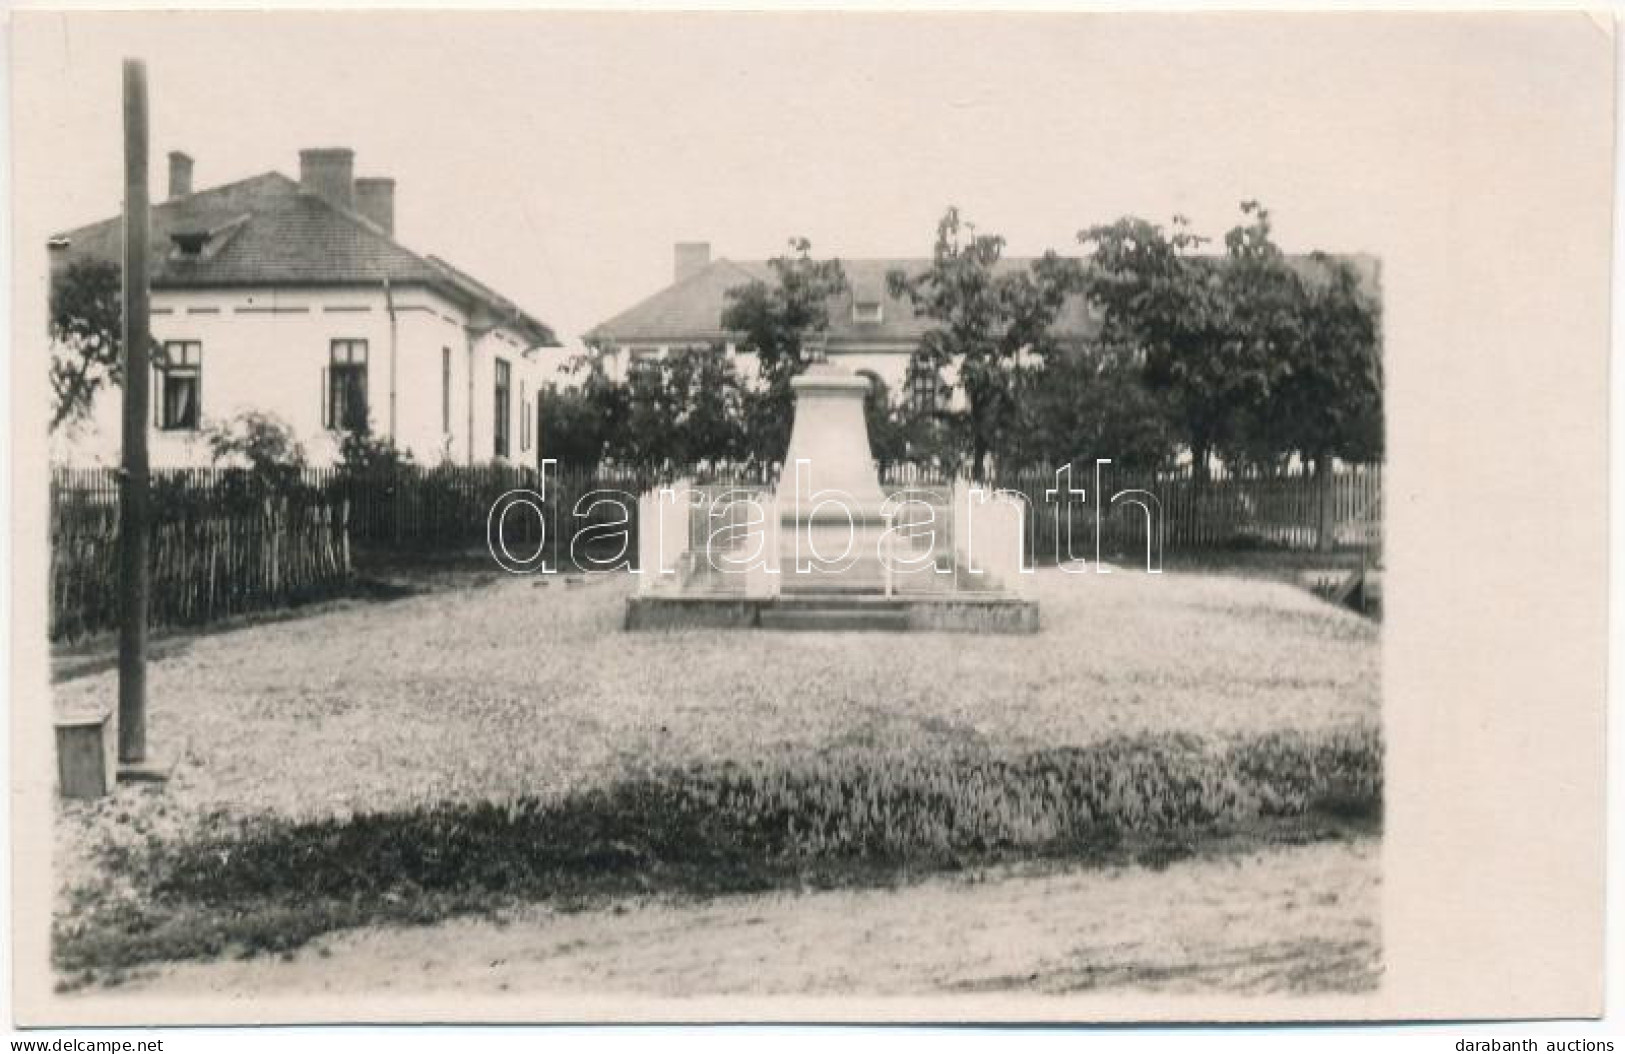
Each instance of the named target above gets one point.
<point>218,550</point>
<point>1286,510</point>
<point>1294,510</point>
<point>212,555</point>
<point>448,508</point>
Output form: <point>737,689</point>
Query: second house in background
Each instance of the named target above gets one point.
<point>294,298</point>
<point>871,332</point>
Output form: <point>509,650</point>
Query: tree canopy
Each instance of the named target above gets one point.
<point>780,322</point>
<point>1256,357</point>
<point>986,318</point>
<point>1241,353</point>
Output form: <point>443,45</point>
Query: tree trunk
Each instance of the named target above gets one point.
<point>1199,462</point>
<point>978,440</point>
<point>1326,531</point>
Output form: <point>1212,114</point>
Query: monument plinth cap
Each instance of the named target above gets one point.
<point>827,377</point>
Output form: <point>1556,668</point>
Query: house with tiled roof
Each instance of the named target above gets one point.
<point>294,297</point>
<point>871,332</point>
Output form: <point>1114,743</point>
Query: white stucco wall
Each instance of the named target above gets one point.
<point>266,350</point>
<point>526,374</point>
<point>890,366</point>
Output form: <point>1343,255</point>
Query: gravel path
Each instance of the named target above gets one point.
<point>529,686</point>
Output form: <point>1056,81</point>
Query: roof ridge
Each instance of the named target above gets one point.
<point>735,264</point>
<point>665,290</point>
<point>455,274</point>
<point>183,199</point>
<point>278,196</point>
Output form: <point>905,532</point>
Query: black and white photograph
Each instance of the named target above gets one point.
<point>805,516</point>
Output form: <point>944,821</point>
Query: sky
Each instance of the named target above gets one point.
<point>558,157</point>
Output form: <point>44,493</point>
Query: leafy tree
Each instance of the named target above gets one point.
<point>1163,305</point>
<point>569,431</point>
<point>704,390</point>
<point>578,423</point>
<point>87,340</point>
<point>987,317</point>
<point>1262,360</point>
<point>779,322</point>
<point>1216,334</point>
<point>1263,297</point>
<point>1091,403</point>
<point>686,407</point>
<point>883,421</point>
<point>1327,400</point>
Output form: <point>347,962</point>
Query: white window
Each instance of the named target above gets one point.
<point>866,311</point>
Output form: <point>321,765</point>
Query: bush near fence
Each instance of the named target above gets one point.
<point>220,546</point>
<point>448,508</point>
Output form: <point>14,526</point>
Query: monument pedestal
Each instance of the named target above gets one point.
<point>827,526</point>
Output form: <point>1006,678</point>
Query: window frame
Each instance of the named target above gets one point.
<point>502,407</point>
<point>190,367</point>
<point>924,390</point>
<point>338,418</point>
<point>524,418</point>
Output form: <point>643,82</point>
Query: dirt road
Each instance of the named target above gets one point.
<point>1302,919</point>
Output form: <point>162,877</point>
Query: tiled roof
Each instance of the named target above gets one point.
<point>690,311</point>
<point>265,231</point>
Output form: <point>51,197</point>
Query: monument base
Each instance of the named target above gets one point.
<point>967,613</point>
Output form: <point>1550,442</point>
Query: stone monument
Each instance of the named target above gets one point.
<point>824,548</point>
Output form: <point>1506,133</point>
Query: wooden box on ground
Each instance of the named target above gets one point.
<point>86,755</point>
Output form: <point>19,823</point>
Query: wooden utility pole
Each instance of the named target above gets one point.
<point>133,497</point>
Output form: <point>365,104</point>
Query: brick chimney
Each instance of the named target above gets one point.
<point>375,199</point>
<point>690,259</point>
<point>329,172</point>
<point>180,174</point>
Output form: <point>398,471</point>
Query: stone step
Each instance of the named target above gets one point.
<point>840,602</point>
<point>848,615</point>
<point>832,586</point>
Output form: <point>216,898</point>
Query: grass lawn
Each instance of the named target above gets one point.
<point>319,747</point>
